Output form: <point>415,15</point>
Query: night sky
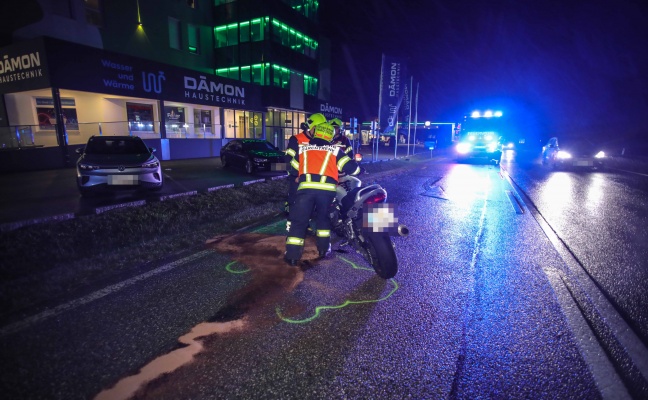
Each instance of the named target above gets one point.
<point>559,67</point>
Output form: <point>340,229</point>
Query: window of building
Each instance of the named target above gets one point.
<point>308,8</point>
<point>232,34</point>
<point>93,12</point>
<point>289,37</point>
<point>232,72</point>
<point>257,29</point>
<point>193,38</point>
<point>280,76</point>
<point>220,2</point>
<point>310,85</point>
<point>254,125</point>
<point>244,31</point>
<point>175,39</point>
<point>226,35</point>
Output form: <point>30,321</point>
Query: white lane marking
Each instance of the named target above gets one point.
<point>607,380</point>
<point>25,323</point>
<point>630,172</point>
<point>634,347</point>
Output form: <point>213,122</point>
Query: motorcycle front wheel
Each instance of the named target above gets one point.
<point>381,254</point>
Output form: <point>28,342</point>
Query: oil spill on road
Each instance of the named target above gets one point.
<point>271,278</point>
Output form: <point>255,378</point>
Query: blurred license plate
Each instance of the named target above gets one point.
<point>278,167</point>
<point>583,163</point>
<point>122,180</point>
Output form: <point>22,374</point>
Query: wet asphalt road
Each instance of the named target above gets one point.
<point>479,309</point>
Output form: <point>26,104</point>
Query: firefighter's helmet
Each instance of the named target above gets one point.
<point>315,120</point>
<point>336,122</point>
<point>324,131</point>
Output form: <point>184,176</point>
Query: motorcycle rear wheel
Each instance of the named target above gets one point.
<point>381,254</point>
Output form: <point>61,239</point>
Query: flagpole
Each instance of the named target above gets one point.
<point>396,136</point>
<point>409,119</point>
<point>415,118</point>
<point>374,154</point>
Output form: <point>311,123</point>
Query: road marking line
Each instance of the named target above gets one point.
<point>635,350</point>
<point>607,380</point>
<point>25,323</point>
<point>630,172</point>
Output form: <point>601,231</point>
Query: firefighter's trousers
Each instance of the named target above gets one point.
<point>306,201</point>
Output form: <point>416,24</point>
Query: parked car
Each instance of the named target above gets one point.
<point>117,163</point>
<point>253,155</point>
<point>573,153</point>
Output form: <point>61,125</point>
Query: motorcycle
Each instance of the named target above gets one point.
<point>349,214</point>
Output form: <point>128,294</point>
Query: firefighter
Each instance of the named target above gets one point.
<point>340,138</point>
<point>319,163</point>
<point>293,148</point>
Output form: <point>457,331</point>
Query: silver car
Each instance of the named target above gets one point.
<point>117,163</point>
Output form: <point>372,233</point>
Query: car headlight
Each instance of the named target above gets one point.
<point>600,154</point>
<point>260,160</point>
<point>151,164</point>
<point>563,154</point>
<point>488,137</point>
<point>472,137</point>
<point>88,167</point>
<point>463,148</point>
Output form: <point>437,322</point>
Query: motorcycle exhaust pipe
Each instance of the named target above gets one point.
<point>403,230</point>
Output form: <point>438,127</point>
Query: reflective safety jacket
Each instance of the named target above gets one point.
<point>294,142</point>
<point>344,141</point>
<point>319,163</point>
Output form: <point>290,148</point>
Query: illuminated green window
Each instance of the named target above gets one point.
<point>193,37</point>
<point>232,72</point>
<point>310,85</point>
<point>220,36</point>
<point>289,37</point>
<point>244,31</point>
<point>226,35</point>
<point>259,75</point>
<point>257,30</point>
<point>309,8</point>
<point>247,31</point>
<point>219,2</point>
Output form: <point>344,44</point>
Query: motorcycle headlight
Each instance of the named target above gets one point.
<point>563,155</point>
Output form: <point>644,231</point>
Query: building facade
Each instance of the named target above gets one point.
<point>185,75</point>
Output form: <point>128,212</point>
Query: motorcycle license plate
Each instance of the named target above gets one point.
<point>380,218</point>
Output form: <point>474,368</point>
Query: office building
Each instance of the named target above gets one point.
<point>185,75</point>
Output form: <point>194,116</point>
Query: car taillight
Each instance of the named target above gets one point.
<point>376,198</point>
